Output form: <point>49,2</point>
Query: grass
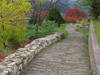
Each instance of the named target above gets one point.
<point>91,72</point>
<point>62,28</point>
<point>83,31</point>
<point>96,24</point>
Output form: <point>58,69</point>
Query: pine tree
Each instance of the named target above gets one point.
<point>54,15</point>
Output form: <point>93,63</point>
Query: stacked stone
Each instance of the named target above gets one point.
<point>14,63</point>
<point>79,26</point>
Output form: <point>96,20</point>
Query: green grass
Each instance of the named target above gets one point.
<point>83,31</point>
<point>91,72</point>
<point>96,24</point>
<point>62,29</point>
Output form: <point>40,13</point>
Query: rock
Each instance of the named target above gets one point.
<point>14,63</point>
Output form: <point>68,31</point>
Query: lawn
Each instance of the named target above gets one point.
<point>96,24</point>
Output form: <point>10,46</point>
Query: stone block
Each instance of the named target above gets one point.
<point>14,63</point>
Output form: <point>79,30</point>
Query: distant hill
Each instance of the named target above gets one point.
<point>63,6</point>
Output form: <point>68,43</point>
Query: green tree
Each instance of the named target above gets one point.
<point>11,20</point>
<point>94,6</point>
<point>54,15</point>
<point>33,19</point>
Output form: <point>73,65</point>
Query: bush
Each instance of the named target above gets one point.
<point>30,33</point>
<point>84,22</point>
<point>47,28</point>
<point>54,15</point>
<point>33,19</point>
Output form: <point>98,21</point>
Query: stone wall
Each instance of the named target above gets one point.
<point>94,51</point>
<point>14,63</point>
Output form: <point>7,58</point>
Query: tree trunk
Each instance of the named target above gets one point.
<point>37,25</point>
<point>4,45</point>
<point>3,38</point>
<point>96,15</point>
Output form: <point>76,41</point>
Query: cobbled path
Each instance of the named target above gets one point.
<point>66,57</point>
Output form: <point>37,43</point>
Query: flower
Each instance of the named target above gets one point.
<point>13,41</point>
<point>10,20</point>
<point>2,58</point>
<point>29,42</point>
<point>13,52</point>
<point>21,47</point>
<point>75,14</point>
<point>43,13</point>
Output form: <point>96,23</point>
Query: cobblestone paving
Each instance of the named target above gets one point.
<point>66,57</point>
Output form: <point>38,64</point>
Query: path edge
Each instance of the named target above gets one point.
<point>94,51</point>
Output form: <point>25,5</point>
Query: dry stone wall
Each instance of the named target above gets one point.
<point>14,63</point>
<point>94,51</point>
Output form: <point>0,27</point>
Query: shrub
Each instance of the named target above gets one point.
<point>47,28</point>
<point>73,19</point>
<point>84,22</point>
<point>30,32</point>
<point>33,19</point>
<point>54,15</point>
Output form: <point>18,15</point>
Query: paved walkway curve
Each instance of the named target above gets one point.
<point>66,57</point>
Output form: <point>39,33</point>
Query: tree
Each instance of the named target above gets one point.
<point>33,18</point>
<point>11,20</point>
<point>94,6</point>
<point>75,12</point>
<point>54,15</point>
<point>40,3</point>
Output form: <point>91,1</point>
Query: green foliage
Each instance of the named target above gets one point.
<point>54,15</point>
<point>30,32</point>
<point>91,72</point>
<point>96,24</point>
<point>47,28</point>
<point>33,19</point>
<point>84,22</point>
<point>93,5</point>
<point>83,31</point>
<point>11,21</point>
<point>62,29</point>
